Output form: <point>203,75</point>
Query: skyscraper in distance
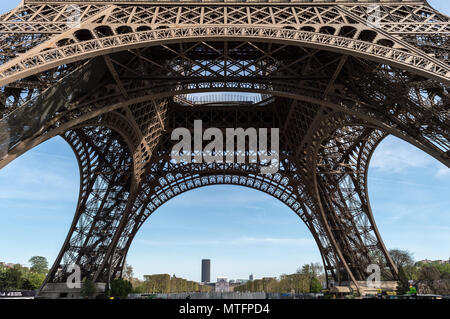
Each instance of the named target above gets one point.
<point>206,270</point>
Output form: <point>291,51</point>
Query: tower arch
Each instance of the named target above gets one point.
<point>115,84</point>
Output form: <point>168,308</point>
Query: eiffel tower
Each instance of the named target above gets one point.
<point>114,78</point>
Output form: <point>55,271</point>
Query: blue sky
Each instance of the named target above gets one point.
<point>241,230</point>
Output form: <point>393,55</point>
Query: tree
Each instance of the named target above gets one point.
<point>429,273</point>
<point>444,269</point>
<point>120,288</point>
<point>403,282</point>
<point>445,276</point>
<point>305,269</point>
<point>32,280</point>
<point>316,269</point>
<point>309,281</point>
<point>20,278</point>
<point>401,258</point>
<point>39,264</point>
<point>11,278</point>
<point>88,289</point>
<point>312,269</point>
<point>315,285</point>
<point>412,272</point>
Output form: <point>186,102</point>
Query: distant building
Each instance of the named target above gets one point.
<point>222,285</point>
<point>439,261</point>
<point>250,277</point>
<point>238,281</point>
<point>9,265</point>
<point>206,270</point>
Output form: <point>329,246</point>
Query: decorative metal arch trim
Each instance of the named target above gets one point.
<point>253,181</point>
<point>139,95</point>
<point>22,67</point>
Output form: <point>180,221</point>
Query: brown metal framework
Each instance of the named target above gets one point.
<point>114,78</point>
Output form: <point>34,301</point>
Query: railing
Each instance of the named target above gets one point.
<point>190,99</point>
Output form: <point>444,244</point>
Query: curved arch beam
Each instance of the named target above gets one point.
<point>364,157</point>
<point>106,173</point>
<point>340,156</point>
<point>139,95</point>
<point>41,61</point>
<point>277,186</point>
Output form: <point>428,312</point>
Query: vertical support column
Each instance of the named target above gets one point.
<point>106,169</point>
<point>341,162</point>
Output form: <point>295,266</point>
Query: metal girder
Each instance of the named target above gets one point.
<point>106,171</point>
<point>115,27</point>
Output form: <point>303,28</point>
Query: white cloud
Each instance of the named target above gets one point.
<point>443,171</point>
<point>397,156</point>
<point>39,176</point>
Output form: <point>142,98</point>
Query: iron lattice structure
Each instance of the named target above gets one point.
<point>114,78</point>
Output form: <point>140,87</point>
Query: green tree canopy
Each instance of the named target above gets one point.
<point>120,288</point>
<point>315,285</point>
<point>88,289</point>
<point>39,264</point>
<point>403,282</point>
<point>19,278</point>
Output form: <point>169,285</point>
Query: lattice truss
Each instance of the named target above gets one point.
<point>115,80</point>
